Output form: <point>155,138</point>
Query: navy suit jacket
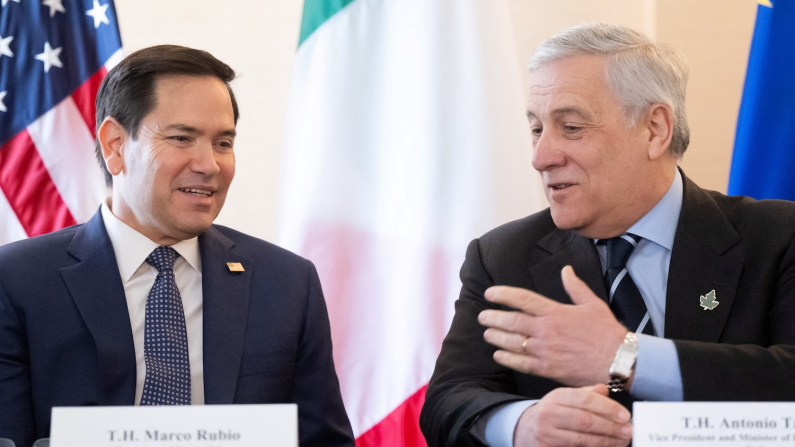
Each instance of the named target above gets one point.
<point>66,339</point>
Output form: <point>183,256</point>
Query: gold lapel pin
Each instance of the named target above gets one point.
<point>235,267</point>
<point>709,302</point>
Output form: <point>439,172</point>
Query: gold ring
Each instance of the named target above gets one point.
<point>524,344</point>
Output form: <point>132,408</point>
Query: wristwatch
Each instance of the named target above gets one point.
<point>623,363</point>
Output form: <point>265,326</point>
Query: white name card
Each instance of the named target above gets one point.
<point>713,424</point>
<point>177,426</point>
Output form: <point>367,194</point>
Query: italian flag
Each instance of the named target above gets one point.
<point>406,139</point>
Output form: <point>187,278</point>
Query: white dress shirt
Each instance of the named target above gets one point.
<point>131,249</point>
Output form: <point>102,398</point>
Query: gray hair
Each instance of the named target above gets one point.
<point>638,72</point>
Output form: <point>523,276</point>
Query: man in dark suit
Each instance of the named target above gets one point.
<point>526,362</point>
<point>81,309</point>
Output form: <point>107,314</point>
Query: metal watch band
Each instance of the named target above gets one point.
<point>616,384</point>
<point>623,363</point>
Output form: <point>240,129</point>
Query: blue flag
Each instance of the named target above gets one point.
<point>763,165</point>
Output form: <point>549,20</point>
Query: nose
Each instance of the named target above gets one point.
<point>204,159</point>
<point>546,153</point>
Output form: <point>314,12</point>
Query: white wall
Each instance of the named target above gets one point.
<point>258,39</point>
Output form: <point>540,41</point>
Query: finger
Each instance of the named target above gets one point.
<point>521,299</point>
<point>524,363</point>
<point>509,341</point>
<point>578,291</point>
<point>587,422</point>
<point>548,423</point>
<point>594,399</point>
<point>599,388</point>
<point>509,321</point>
<point>590,439</point>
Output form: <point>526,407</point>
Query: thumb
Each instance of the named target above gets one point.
<point>578,291</point>
<point>599,388</point>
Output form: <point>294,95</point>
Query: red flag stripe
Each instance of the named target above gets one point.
<point>29,189</point>
<point>401,428</point>
<point>84,98</point>
<point>66,148</point>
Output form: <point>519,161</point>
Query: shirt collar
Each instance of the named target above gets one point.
<point>132,248</point>
<point>659,224</point>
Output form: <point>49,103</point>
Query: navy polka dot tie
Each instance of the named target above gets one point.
<point>165,339</point>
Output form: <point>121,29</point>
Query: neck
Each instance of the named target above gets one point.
<point>636,204</point>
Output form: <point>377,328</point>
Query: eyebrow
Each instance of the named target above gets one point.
<point>564,111</point>
<point>183,128</point>
<point>193,131</point>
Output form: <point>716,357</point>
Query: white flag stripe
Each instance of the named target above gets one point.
<point>405,139</point>
<point>114,59</point>
<point>10,228</point>
<point>67,149</point>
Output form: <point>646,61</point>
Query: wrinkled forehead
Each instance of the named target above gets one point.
<point>572,85</point>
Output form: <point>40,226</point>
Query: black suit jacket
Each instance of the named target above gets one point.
<point>744,349</point>
<point>66,338</point>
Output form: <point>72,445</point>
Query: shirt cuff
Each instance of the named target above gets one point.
<point>657,373</point>
<point>501,422</point>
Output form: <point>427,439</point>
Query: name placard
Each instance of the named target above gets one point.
<point>713,424</point>
<point>177,426</point>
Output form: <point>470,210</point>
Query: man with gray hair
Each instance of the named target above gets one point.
<point>635,284</point>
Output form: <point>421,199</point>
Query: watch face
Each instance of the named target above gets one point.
<point>624,357</point>
<point>623,363</point>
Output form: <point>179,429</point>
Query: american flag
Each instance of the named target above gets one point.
<point>53,56</point>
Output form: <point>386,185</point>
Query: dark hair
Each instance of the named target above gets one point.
<point>128,91</point>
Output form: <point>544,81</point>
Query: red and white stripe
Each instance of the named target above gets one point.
<point>49,177</point>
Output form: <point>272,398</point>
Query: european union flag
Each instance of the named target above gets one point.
<point>763,165</point>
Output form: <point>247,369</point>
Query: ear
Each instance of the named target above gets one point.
<point>112,136</point>
<point>660,124</point>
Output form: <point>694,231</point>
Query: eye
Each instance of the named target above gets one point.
<point>570,129</point>
<point>225,144</point>
<point>180,138</point>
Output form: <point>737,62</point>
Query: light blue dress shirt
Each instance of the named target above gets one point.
<point>657,373</point>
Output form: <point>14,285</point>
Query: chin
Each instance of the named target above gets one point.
<point>195,228</point>
<point>563,219</point>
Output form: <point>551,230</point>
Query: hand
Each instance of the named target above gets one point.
<point>573,344</point>
<point>574,417</point>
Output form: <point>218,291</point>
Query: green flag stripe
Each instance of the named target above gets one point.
<point>315,13</point>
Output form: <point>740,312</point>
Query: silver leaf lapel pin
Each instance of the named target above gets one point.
<point>709,302</point>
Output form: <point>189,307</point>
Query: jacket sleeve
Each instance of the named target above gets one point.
<point>466,382</point>
<point>322,419</point>
<point>16,407</point>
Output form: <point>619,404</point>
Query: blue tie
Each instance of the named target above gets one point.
<point>626,301</point>
<point>165,339</point>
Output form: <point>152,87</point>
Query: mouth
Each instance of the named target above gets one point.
<point>559,186</point>
<point>198,192</point>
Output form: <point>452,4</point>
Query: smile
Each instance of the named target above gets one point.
<point>198,192</point>
<point>559,186</point>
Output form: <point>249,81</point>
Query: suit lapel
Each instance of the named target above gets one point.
<point>96,288</point>
<point>567,248</point>
<point>701,262</point>
<point>225,309</point>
